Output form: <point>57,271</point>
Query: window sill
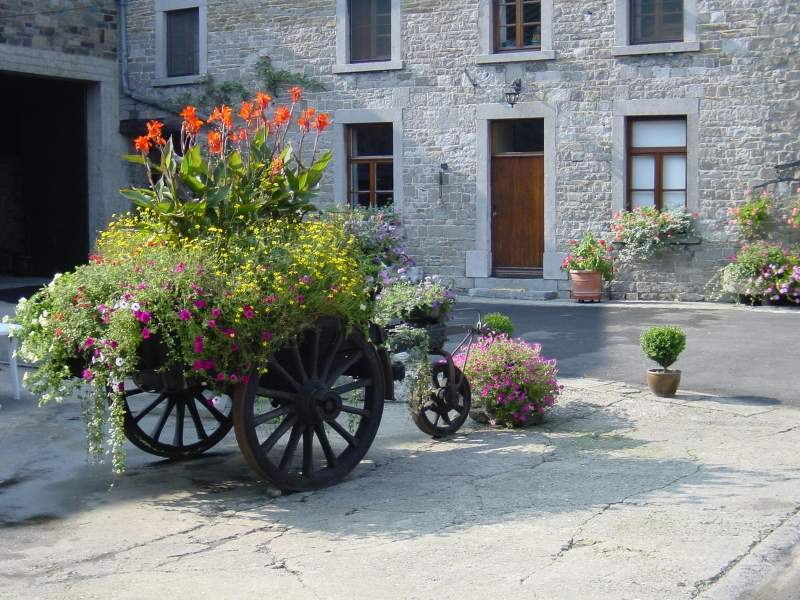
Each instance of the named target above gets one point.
<point>510,57</point>
<point>384,65</point>
<point>167,81</point>
<point>684,240</point>
<point>662,48</point>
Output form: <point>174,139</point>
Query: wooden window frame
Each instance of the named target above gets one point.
<point>520,25</point>
<point>372,161</point>
<point>373,35</point>
<point>191,45</point>
<point>658,38</point>
<point>658,153</point>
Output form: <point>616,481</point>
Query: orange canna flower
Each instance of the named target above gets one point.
<point>223,114</point>
<point>262,100</point>
<point>305,119</point>
<point>297,94</point>
<point>154,132</point>
<point>191,123</point>
<point>142,144</point>
<point>246,112</point>
<point>320,122</point>
<point>215,142</point>
<point>277,165</point>
<point>282,114</point>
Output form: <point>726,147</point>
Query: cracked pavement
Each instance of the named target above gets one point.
<point>618,495</point>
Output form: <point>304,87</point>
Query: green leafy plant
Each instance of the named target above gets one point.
<point>792,216</point>
<point>401,298</point>
<point>751,218</point>
<point>272,78</point>
<point>510,379</point>
<point>498,324</point>
<point>249,172</point>
<point>760,269</point>
<point>590,255</point>
<point>663,344</point>
<point>645,231</point>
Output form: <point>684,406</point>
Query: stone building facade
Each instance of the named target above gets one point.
<point>60,166</point>
<point>729,74</point>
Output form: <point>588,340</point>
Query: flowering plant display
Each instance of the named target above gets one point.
<point>792,217</point>
<point>510,378</point>
<point>751,217</point>
<point>761,269</point>
<point>647,230</point>
<point>590,255</point>
<point>403,299</point>
<point>217,266</point>
<point>245,170</point>
<point>378,235</point>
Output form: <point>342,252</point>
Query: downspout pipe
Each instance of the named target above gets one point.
<point>122,26</point>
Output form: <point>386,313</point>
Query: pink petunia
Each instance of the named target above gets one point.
<point>266,336</point>
<point>145,332</point>
<point>212,323</point>
<point>216,312</point>
<point>185,315</point>
<point>200,303</point>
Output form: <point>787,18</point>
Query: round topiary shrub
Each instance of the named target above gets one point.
<point>498,323</point>
<point>663,344</point>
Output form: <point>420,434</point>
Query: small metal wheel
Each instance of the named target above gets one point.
<point>443,414</point>
<point>175,421</point>
<point>308,420</point>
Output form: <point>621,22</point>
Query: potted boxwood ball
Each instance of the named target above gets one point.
<point>663,344</point>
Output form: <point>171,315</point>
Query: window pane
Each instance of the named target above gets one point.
<point>370,30</point>
<point>674,177</point>
<point>523,135</point>
<point>643,199</point>
<point>382,200</point>
<point>532,12</point>
<point>384,176</point>
<point>673,200</point>
<point>643,172</point>
<point>371,140</point>
<point>360,200</point>
<point>672,27</point>
<point>183,42</point>
<point>532,35</point>
<point>658,134</point>
<point>359,177</point>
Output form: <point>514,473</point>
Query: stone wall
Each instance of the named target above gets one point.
<point>65,26</point>
<point>746,79</point>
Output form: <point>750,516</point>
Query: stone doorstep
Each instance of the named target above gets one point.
<point>512,294</point>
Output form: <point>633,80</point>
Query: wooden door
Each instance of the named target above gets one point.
<point>517,200</point>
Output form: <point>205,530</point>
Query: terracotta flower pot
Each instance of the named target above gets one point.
<point>663,383</point>
<point>587,285</point>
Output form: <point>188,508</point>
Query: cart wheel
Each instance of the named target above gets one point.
<point>176,423</point>
<point>310,419</point>
<point>441,414</point>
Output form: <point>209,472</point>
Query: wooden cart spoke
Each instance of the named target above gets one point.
<point>342,431</point>
<point>156,433</point>
<point>209,406</point>
<point>333,348</point>
<point>353,385</point>
<point>291,446</point>
<point>298,363</point>
<point>177,438</point>
<point>277,368</point>
<point>325,444</point>
<point>148,409</point>
<point>273,414</point>
<point>343,366</point>
<point>198,423</point>
<point>276,394</point>
<point>355,410</point>
<point>279,432</point>
<point>308,452</point>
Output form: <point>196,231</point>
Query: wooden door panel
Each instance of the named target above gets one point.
<point>517,216</point>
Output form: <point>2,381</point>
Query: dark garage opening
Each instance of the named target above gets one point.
<point>43,175</point>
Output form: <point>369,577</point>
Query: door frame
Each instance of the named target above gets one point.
<point>479,261</point>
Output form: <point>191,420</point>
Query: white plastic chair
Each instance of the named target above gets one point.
<point>5,330</point>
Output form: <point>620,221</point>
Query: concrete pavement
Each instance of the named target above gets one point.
<point>619,495</point>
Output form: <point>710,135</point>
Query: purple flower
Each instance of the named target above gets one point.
<point>212,323</point>
<point>216,312</point>
<point>145,332</point>
<point>198,345</point>
<point>200,303</point>
<point>220,376</point>
<point>248,312</point>
<point>178,269</point>
<point>185,315</point>
<point>88,342</point>
<point>266,336</point>
<point>88,375</point>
